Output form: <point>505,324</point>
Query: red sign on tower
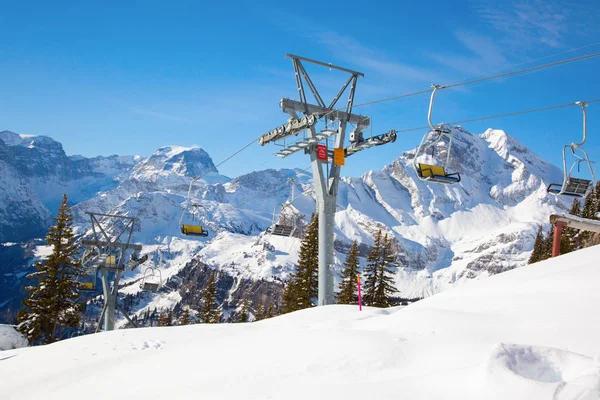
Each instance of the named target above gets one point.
<point>322,152</point>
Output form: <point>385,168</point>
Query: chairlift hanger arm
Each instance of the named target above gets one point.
<point>583,106</point>
<point>431,100</point>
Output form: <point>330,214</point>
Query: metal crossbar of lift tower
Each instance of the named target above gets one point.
<point>291,106</point>
<point>328,65</point>
<point>110,215</point>
<point>119,245</point>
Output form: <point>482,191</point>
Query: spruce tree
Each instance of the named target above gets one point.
<point>597,197</point>
<point>243,317</point>
<point>385,281</point>
<point>573,236</point>
<point>51,306</point>
<point>301,290</point>
<point>348,293</point>
<point>270,312</point>
<point>185,317</point>
<point>371,271</point>
<point>163,319</point>
<point>289,296</point>
<point>260,312</point>
<point>210,310</point>
<point>589,205</point>
<point>538,247</point>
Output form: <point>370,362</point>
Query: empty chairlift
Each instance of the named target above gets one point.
<point>192,222</point>
<point>284,223</point>
<point>152,279</point>
<point>572,186</point>
<point>435,172</point>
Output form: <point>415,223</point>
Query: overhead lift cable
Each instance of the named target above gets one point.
<point>486,78</point>
<point>500,115</point>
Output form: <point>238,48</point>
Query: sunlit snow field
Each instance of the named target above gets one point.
<point>530,333</point>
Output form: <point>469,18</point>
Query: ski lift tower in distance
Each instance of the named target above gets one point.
<point>113,248</point>
<point>325,182</point>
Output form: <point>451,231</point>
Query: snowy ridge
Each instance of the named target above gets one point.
<point>446,235</point>
<point>529,333</point>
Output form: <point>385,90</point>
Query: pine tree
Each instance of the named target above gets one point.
<point>301,290</point>
<point>371,271</point>
<point>185,317</point>
<point>260,312</point>
<point>210,308</point>
<point>573,236</point>
<point>597,197</point>
<point>270,312</point>
<point>538,247</point>
<point>385,281</point>
<point>51,306</point>
<point>243,317</point>
<point>589,205</point>
<point>163,319</point>
<point>348,293</point>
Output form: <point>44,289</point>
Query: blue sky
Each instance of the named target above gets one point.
<point>129,77</point>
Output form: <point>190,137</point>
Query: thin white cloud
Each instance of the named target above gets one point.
<point>529,23</point>
<point>483,56</point>
<point>371,60</point>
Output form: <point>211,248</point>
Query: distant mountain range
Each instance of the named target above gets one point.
<point>445,234</point>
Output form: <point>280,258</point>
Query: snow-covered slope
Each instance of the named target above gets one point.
<point>529,333</point>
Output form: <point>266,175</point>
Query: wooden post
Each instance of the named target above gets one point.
<point>556,239</point>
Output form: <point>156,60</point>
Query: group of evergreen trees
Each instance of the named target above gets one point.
<point>379,286</point>
<point>571,239</point>
<point>301,290</point>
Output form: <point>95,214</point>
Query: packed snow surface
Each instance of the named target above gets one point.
<point>529,333</point>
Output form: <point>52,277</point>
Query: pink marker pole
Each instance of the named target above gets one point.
<point>359,295</point>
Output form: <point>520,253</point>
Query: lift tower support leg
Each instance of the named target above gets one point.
<point>326,196</point>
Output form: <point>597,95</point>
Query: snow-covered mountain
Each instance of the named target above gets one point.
<point>35,172</point>
<point>446,235</point>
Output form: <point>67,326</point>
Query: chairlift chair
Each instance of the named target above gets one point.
<point>571,186</point>
<point>285,228</point>
<point>89,266</point>
<point>190,221</point>
<point>431,172</point>
<point>151,281</point>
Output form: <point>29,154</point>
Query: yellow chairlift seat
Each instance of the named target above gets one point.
<point>193,230</point>
<point>87,286</point>
<point>437,173</point>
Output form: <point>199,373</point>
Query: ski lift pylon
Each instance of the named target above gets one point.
<point>571,186</point>
<point>193,225</point>
<point>430,172</point>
